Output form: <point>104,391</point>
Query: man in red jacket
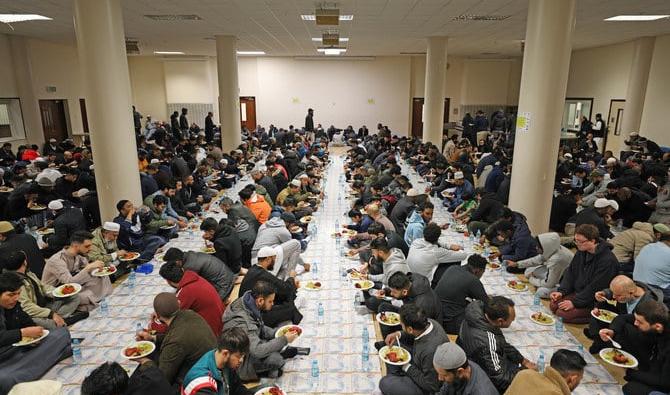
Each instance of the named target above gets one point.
<point>195,293</point>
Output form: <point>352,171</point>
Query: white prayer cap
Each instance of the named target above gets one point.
<point>296,183</point>
<point>111,226</point>
<point>458,175</point>
<point>224,161</point>
<point>238,151</point>
<point>55,205</point>
<point>91,167</point>
<point>304,176</point>
<point>265,252</point>
<point>154,160</point>
<point>82,192</point>
<point>412,192</point>
<point>568,155</point>
<point>613,204</point>
<point>40,159</point>
<point>601,203</point>
<point>53,140</point>
<point>611,161</point>
<point>279,156</point>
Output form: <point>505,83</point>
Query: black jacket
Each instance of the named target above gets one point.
<point>489,209</point>
<point>486,345</point>
<point>269,185</point>
<point>422,295</point>
<point>66,223</point>
<point>589,273</point>
<point>590,216</point>
<point>285,290</point>
<point>402,209</point>
<point>455,286</point>
<point>27,244</point>
<point>11,322</point>
<point>228,247</point>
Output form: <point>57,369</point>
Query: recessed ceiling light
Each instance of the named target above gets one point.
<point>168,53</point>
<point>332,51</point>
<point>251,52</point>
<point>319,39</point>
<point>312,17</point>
<point>633,18</point>
<point>13,18</point>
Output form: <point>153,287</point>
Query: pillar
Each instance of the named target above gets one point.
<point>433,105</point>
<point>32,124</point>
<point>544,79</point>
<point>637,88</point>
<point>102,55</point>
<point>229,92</point>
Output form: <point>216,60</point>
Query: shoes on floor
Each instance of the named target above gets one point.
<point>76,317</point>
<point>289,352</point>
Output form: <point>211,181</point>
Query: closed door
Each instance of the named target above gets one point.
<point>248,112</point>
<point>84,116</point>
<point>614,139</point>
<point>54,122</point>
<point>417,115</point>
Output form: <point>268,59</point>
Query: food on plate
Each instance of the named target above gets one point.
<point>618,357</point>
<point>396,354</point>
<point>541,318</point>
<point>351,253</point>
<point>516,285</point>
<point>270,391</point>
<point>105,271</point>
<point>306,218</point>
<point>289,328</point>
<point>313,285</point>
<point>604,315</point>
<point>364,284</point>
<point>494,265</point>
<point>68,289</point>
<point>389,318</point>
<point>129,255</point>
<point>6,189</point>
<point>38,207</point>
<point>45,231</point>
<point>208,250</point>
<point>356,275</point>
<point>295,229</point>
<point>337,235</point>
<point>140,349</point>
<point>26,340</point>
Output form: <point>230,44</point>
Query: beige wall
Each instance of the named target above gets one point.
<point>657,100</point>
<point>8,87</point>
<point>147,82</point>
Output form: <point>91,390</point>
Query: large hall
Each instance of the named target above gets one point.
<point>293,197</point>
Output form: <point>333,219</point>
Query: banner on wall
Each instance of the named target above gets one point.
<point>523,122</point>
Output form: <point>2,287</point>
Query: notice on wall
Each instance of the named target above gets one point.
<point>523,122</point>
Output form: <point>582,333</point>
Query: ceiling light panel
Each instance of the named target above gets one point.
<point>636,18</point>
<point>14,18</point>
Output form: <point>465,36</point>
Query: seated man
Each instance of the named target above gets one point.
<point>216,371</point>
<point>227,244</point>
<point>207,266</point>
<point>265,351</point>
<point>518,245</point>
<point>284,308</point>
<point>392,261</point>
<point>132,235</point>
<point>158,219</point>
<point>12,241</point>
<point>65,223</point>
<point>422,215</point>
<point>629,243</point>
<point>463,189</point>
<point>104,247</point>
<point>545,269</point>
<point>562,376</point>
<point>427,258</point>
<point>110,378</point>
<point>257,204</point>
<point>271,233</point>
<point>359,222</point>
<point>70,265</point>
<point>412,288</point>
<point>483,341</point>
<point>20,364</point>
<point>188,338</point>
<point>645,335</point>
<point>421,336</point>
<point>652,265</point>
<point>591,270</point>
<point>195,293</point>
<point>457,287</point>
<point>375,231</point>
<point>460,375</point>
<point>626,295</point>
<point>37,299</point>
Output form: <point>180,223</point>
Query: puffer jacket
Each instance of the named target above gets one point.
<point>211,269</point>
<point>415,226</point>
<point>270,234</point>
<point>627,244</point>
<point>228,247</point>
<point>424,257</point>
<point>394,263</point>
<point>550,264</point>
<point>243,313</point>
<point>486,345</point>
<point>99,252</point>
<point>259,207</point>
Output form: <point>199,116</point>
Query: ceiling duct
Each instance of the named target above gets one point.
<point>132,47</point>
<point>330,38</point>
<point>327,17</point>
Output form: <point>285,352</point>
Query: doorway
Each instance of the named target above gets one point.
<point>84,116</point>
<point>54,120</point>
<point>613,140</point>
<point>417,115</point>
<point>248,112</point>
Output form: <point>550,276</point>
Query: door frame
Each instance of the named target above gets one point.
<point>248,98</point>
<point>66,116</point>
<point>447,108</point>
<point>609,116</point>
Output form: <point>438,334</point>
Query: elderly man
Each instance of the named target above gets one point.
<point>37,299</point>
<point>104,247</point>
<point>238,210</point>
<point>599,215</point>
<point>460,375</point>
<point>70,265</point>
<point>11,241</point>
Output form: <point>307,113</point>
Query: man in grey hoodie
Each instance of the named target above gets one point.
<point>393,260</point>
<point>206,266</point>
<point>426,255</point>
<point>265,350</point>
<point>273,233</point>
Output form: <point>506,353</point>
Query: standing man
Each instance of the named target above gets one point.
<point>137,121</point>
<point>183,122</point>
<point>309,124</point>
<point>209,127</point>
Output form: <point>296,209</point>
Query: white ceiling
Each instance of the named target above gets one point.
<point>380,27</point>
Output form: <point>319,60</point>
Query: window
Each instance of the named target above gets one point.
<point>574,110</point>
<point>11,120</point>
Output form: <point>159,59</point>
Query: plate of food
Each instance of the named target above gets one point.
<point>618,358</point>
<point>306,219</point>
<point>26,340</point>
<point>129,256</point>
<point>493,265</point>
<point>395,355</point>
<point>105,271</point>
<point>494,250</point>
<point>352,254</point>
<point>349,232</point>
<point>288,328</point>
<point>138,349</point>
<point>356,275</point>
<point>478,248</point>
<point>542,319</point>
<point>302,204</point>
<point>4,189</point>
<point>168,227</point>
<point>604,315</point>
<point>336,235</point>
<point>45,231</point>
<point>388,318</point>
<point>37,207</point>
<point>208,250</point>
<point>517,286</point>
<point>66,290</point>
<point>274,390</point>
<point>363,284</point>
<point>295,229</point>
<point>229,176</point>
<point>160,257</point>
<point>460,228</point>
<point>312,285</point>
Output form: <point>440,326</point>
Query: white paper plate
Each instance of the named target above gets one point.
<point>364,284</point>
<point>143,342</point>
<point>378,317</point>
<point>600,318</point>
<point>281,329</point>
<point>553,320</point>
<point>628,355</point>
<point>58,294</point>
<point>44,334</point>
<point>384,350</point>
<point>98,273</point>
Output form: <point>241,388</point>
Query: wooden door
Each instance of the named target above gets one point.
<point>248,112</point>
<point>417,115</point>
<point>613,139</point>
<point>54,123</point>
<point>84,116</point>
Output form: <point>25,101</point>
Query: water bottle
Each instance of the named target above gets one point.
<point>619,225</point>
<point>540,362</point>
<point>320,314</point>
<point>315,270</point>
<point>580,350</point>
<point>315,375</point>
<point>536,302</point>
<point>343,273</point>
<point>104,307</point>
<point>479,234</point>
<point>559,327</point>
<point>338,243</point>
<point>337,225</point>
<point>131,279</point>
<point>357,299</point>
<point>76,351</point>
<point>366,336</point>
<point>138,327</point>
<point>365,357</point>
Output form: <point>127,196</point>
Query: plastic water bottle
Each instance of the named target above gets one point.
<point>536,302</point>
<point>343,273</point>
<point>357,299</point>
<point>558,326</point>
<point>366,336</point>
<point>315,270</point>
<point>479,234</point>
<point>131,279</point>
<point>337,225</point>
<point>580,350</point>
<point>320,314</point>
<point>104,307</point>
<point>76,351</point>
<point>315,375</point>
<point>619,225</point>
<point>338,243</point>
<point>540,362</point>
<point>138,327</point>
<point>365,357</point>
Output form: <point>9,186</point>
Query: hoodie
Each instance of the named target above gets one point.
<point>228,247</point>
<point>424,257</point>
<point>197,294</point>
<point>270,234</point>
<point>415,227</point>
<point>545,269</point>
<point>627,244</point>
<point>394,263</point>
<point>522,244</point>
<point>259,207</point>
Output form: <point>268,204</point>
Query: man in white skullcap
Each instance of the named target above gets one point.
<point>458,374</point>
<point>464,191</point>
<point>67,220</point>
<point>104,246</point>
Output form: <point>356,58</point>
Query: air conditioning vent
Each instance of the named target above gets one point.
<point>330,39</point>
<point>132,47</point>
<point>174,17</point>
<point>485,18</point>
<point>327,17</point>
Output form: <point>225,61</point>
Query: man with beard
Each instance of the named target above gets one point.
<point>460,375</point>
